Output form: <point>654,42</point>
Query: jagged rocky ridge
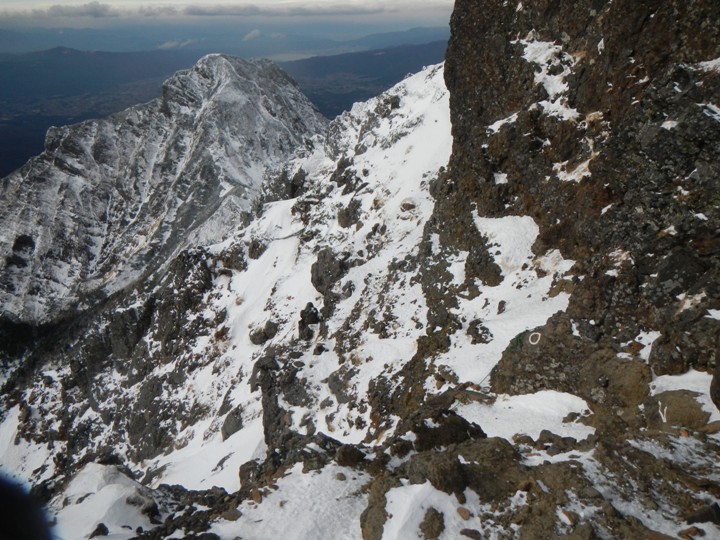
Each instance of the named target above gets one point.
<point>111,200</point>
<point>516,346</point>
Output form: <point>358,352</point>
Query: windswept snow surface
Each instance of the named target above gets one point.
<point>20,459</point>
<point>305,506</point>
<point>407,505</point>
<point>521,302</point>
<point>395,153</point>
<point>529,415</point>
<point>101,494</point>
<point>206,463</point>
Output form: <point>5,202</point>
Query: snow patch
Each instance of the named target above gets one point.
<point>710,65</point>
<point>689,301</point>
<point>101,494</point>
<point>618,258</point>
<point>646,339</point>
<point>496,126</point>
<point>550,57</point>
<point>202,464</point>
<point>575,174</point>
<point>521,302</point>
<point>406,507</point>
<point>510,238</point>
<point>529,414</point>
<point>319,504</point>
<point>500,178</point>
<point>22,459</point>
<point>601,46</point>
<point>710,110</point>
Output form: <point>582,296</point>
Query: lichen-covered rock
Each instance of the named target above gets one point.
<point>678,408</point>
<point>233,423</point>
<point>328,269</point>
<point>433,524</point>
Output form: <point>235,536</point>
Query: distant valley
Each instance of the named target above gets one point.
<point>334,83</point>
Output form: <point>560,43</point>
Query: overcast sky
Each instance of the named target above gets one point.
<point>243,27</point>
<point>101,13</point>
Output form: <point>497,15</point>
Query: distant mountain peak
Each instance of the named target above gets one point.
<point>112,199</point>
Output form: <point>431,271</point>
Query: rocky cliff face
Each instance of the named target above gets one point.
<point>112,200</point>
<point>599,120</point>
<point>514,339</point>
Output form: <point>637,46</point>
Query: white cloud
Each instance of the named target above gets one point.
<point>95,10</point>
<point>158,11</point>
<point>254,34</point>
<point>287,10</point>
<point>177,44</point>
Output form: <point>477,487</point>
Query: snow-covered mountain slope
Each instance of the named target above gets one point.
<point>506,333</point>
<point>375,166</point>
<point>112,199</point>
<point>259,376</point>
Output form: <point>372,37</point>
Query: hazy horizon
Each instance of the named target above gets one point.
<point>134,25</point>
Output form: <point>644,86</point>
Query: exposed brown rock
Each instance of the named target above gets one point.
<point>433,524</point>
